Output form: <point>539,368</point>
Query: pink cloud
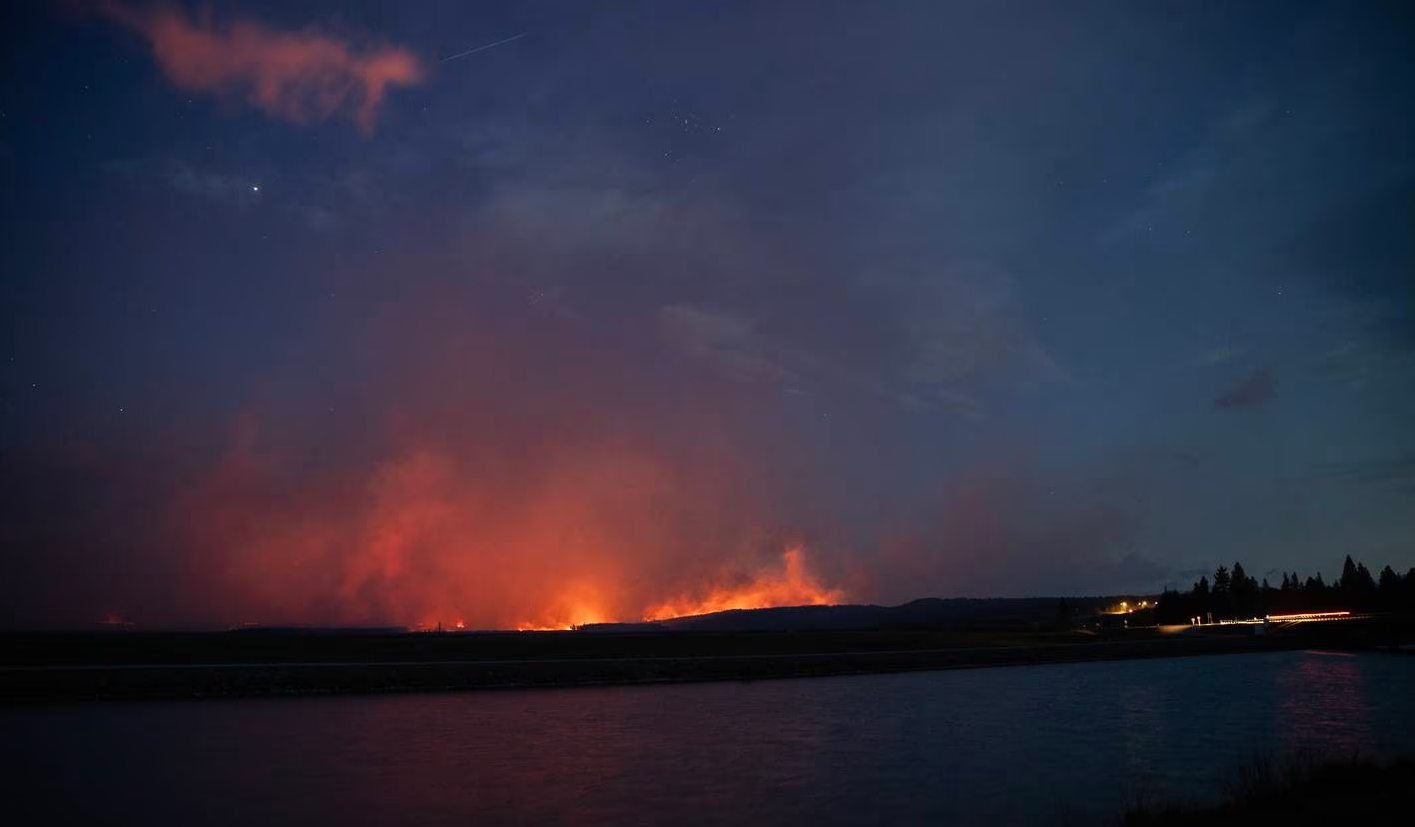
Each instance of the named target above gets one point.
<point>303,76</point>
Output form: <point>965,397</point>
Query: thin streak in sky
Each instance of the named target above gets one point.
<point>484,48</point>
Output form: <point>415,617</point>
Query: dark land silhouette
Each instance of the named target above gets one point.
<point>802,641</point>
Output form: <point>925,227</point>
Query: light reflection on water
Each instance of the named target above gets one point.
<point>1027,744</point>
<point>1323,702</point>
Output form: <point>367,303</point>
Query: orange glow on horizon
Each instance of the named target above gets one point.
<point>582,605</point>
<point>564,622</point>
<point>792,586</point>
<point>115,620</point>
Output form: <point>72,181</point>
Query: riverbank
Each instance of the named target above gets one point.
<point>1300,790</point>
<point>78,667</point>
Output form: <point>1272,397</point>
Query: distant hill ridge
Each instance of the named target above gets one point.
<point>928,612</point>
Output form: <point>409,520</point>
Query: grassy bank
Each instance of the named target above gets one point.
<point>1300,790</point>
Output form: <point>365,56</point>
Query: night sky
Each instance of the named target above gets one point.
<point>302,322</point>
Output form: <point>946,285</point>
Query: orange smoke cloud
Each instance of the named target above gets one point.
<point>794,585</point>
<point>422,541</point>
<point>503,470</point>
<point>300,76</point>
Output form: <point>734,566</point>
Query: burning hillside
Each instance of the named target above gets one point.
<point>792,585</point>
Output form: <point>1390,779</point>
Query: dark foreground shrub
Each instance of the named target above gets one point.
<point>1301,790</point>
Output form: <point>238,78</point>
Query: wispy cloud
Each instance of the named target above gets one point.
<point>1217,356</point>
<point>1397,469</point>
<point>1251,391</point>
<point>301,76</point>
<point>214,186</point>
<point>188,178</point>
<point>729,342</point>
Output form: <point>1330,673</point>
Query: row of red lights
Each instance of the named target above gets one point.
<point>1309,616</point>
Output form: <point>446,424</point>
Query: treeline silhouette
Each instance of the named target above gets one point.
<point>1235,594</point>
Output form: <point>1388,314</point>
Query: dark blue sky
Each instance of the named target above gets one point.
<point>969,298</point>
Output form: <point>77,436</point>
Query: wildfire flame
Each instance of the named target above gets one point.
<point>587,603</point>
<point>561,624</point>
<point>792,586</point>
<point>581,605</point>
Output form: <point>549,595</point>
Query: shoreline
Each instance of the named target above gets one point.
<point>75,682</point>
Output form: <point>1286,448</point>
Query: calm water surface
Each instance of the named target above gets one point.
<point>1038,744</point>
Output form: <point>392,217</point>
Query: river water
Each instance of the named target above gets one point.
<point>1069,743</point>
